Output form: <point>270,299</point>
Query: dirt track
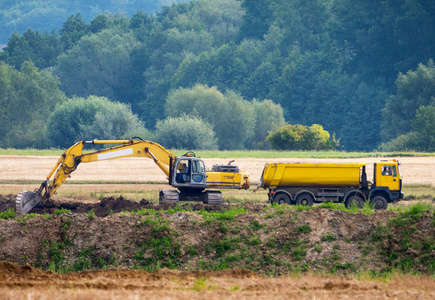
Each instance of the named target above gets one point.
<point>25,282</point>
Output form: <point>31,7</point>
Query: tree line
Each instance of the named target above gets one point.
<point>237,71</point>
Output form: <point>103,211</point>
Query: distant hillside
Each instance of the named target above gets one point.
<point>49,15</point>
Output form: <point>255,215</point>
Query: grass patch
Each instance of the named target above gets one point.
<point>224,214</point>
<point>61,211</point>
<point>6,215</point>
<point>411,214</point>
<point>328,237</point>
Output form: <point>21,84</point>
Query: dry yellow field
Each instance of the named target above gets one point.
<point>415,170</point>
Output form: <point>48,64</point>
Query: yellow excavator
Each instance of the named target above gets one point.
<point>187,173</point>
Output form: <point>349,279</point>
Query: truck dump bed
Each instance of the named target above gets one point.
<point>324,175</point>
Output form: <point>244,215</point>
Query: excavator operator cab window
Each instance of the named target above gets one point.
<point>198,170</point>
<point>183,171</point>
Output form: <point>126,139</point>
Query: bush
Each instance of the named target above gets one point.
<point>90,118</point>
<point>299,137</point>
<point>404,142</point>
<point>186,132</point>
<point>268,117</point>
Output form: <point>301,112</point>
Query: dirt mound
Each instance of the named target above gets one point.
<point>7,202</point>
<point>103,208</point>
<point>18,270</point>
<point>111,205</point>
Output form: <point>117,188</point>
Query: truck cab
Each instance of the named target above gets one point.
<point>387,182</point>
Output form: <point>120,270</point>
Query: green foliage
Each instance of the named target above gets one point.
<point>228,215</point>
<point>414,89</point>
<point>27,99</point>
<point>257,19</point>
<point>304,228</point>
<point>410,215</point>
<point>328,237</point>
<point>231,117</point>
<point>106,56</point>
<point>51,14</point>
<point>299,137</point>
<point>91,214</point>
<point>159,249</point>
<point>185,132</point>
<point>42,49</point>
<point>6,215</point>
<point>424,127</point>
<point>268,117</point>
<point>62,211</point>
<point>87,119</point>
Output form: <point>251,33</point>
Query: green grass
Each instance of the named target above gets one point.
<point>228,215</point>
<point>10,214</point>
<point>241,153</point>
<point>419,191</point>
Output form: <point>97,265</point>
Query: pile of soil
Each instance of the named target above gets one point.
<point>7,202</point>
<point>111,205</point>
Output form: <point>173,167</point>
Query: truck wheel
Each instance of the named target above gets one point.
<point>281,198</point>
<point>379,202</point>
<point>304,199</point>
<point>354,200</point>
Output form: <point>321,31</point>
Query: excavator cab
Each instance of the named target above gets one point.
<point>189,172</point>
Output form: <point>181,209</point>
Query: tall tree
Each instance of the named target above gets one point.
<point>27,98</point>
<point>72,31</point>
<point>41,49</point>
<point>414,89</point>
<point>98,65</point>
<point>257,19</point>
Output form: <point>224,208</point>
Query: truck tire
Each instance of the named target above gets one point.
<point>354,200</point>
<point>281,198</point>
<point>379,202</point>
<point>304,199</point>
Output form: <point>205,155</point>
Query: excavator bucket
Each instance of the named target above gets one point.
<point>25,201</point>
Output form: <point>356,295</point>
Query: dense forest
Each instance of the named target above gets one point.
<point>49,15</point>
<point>228,74</point>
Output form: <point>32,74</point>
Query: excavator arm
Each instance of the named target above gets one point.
<point>72,157</point>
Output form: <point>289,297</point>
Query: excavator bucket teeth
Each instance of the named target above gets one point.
<point>25,201</point>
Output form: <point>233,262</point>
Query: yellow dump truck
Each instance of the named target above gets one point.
<point>304,184</point>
